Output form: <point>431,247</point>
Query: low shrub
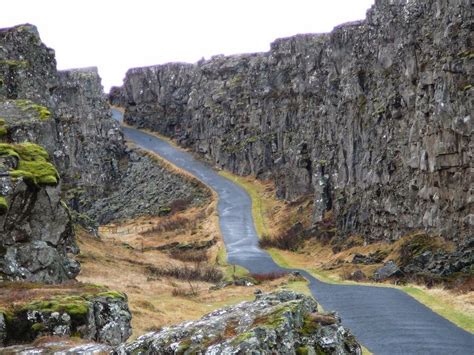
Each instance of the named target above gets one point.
<point>191,255</point>
<point>269,276</point>
<point>197,272</point>
<point>169,224</point>
<point>183,292</point>
<point>291,239</point>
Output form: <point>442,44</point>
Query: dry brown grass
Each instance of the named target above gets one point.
<point>13,294</point>
<point>117,260</point>
<point>193,256</point>
<point>270,276</point>
<point>196,272</point>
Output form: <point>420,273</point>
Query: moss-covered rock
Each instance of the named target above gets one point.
<point>277,323</point>
<point>3,205</point>
<point>33,165</point>
<point>28,105</point>
<point>99,316</point>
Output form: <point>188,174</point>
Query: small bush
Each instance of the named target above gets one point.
<point>270,276</point>
<point>416,246</point>
<point>183,292</point>
<point>190,273</point>
<point>291,239</point>
<point>169,224</point>
<point>180,205</point>
<point>195,256</point>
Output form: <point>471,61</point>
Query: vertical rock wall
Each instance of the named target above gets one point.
<point>64,119</point>
<point>374,118</point>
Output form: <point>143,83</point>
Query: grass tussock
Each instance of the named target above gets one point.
<point>169,224</point>
<point>291,239</point>
<point>191,255</point>
<point>191,291</point>
<point>269,276</point>
<point>197,272</point>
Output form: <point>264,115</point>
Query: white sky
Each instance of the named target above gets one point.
<point>116,35</point>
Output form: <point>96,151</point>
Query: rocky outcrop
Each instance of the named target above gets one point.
<point>103,317</point>
<point>373,119</point>
<point>282,323</point>
<point>64,119</point>
<point>147,188</point>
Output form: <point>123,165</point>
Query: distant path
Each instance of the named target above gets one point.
<point>385,320</point>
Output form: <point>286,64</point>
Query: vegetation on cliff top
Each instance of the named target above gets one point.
<point>33,165</point>
<point>28,105</point>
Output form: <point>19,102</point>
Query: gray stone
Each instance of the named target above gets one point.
<point>282,322</point>
<point>358,276</point>
<point>390,269</point>
<point>106,321</point>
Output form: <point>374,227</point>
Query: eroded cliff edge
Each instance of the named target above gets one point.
<point>373,119</point>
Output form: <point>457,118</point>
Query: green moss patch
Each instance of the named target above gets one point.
<point>33,165</point>
<point>3,128</point>
<point>76,306</point>
<point>310,326</point>
<point>112,294</point>
<point>3,205</point>
<point>27,105</point>
<point>12,63</point>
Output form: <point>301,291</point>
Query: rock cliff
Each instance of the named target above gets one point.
<point>58,135</point>
<point>373,119</point>
<point>58,142</point>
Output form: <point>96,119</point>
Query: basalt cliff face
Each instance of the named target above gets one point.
<point>56,133</point>
<point>63,161</point>
<point>373,119</point>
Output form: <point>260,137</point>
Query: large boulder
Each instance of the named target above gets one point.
<point>279,323</point>
<point>103,317</point>
<point>390,269</point>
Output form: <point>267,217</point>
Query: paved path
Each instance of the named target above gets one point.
<point>385,320</point>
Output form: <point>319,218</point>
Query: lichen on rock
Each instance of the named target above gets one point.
<point>101,316</point>
<point>32,163</point>
<point>283,322</point>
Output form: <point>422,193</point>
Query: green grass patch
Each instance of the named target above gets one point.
<point>112,294</point>
<point>29,106</point>
<point>76,306</point>
<point>33,165</point>
<point>230,271</point>
<point>299,287</point>
<point>462,320</point>
<point>3,205</point>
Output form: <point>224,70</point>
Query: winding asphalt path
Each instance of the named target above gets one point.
<point>385,320</point>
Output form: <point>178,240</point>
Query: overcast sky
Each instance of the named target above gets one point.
<point>115,35</point>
